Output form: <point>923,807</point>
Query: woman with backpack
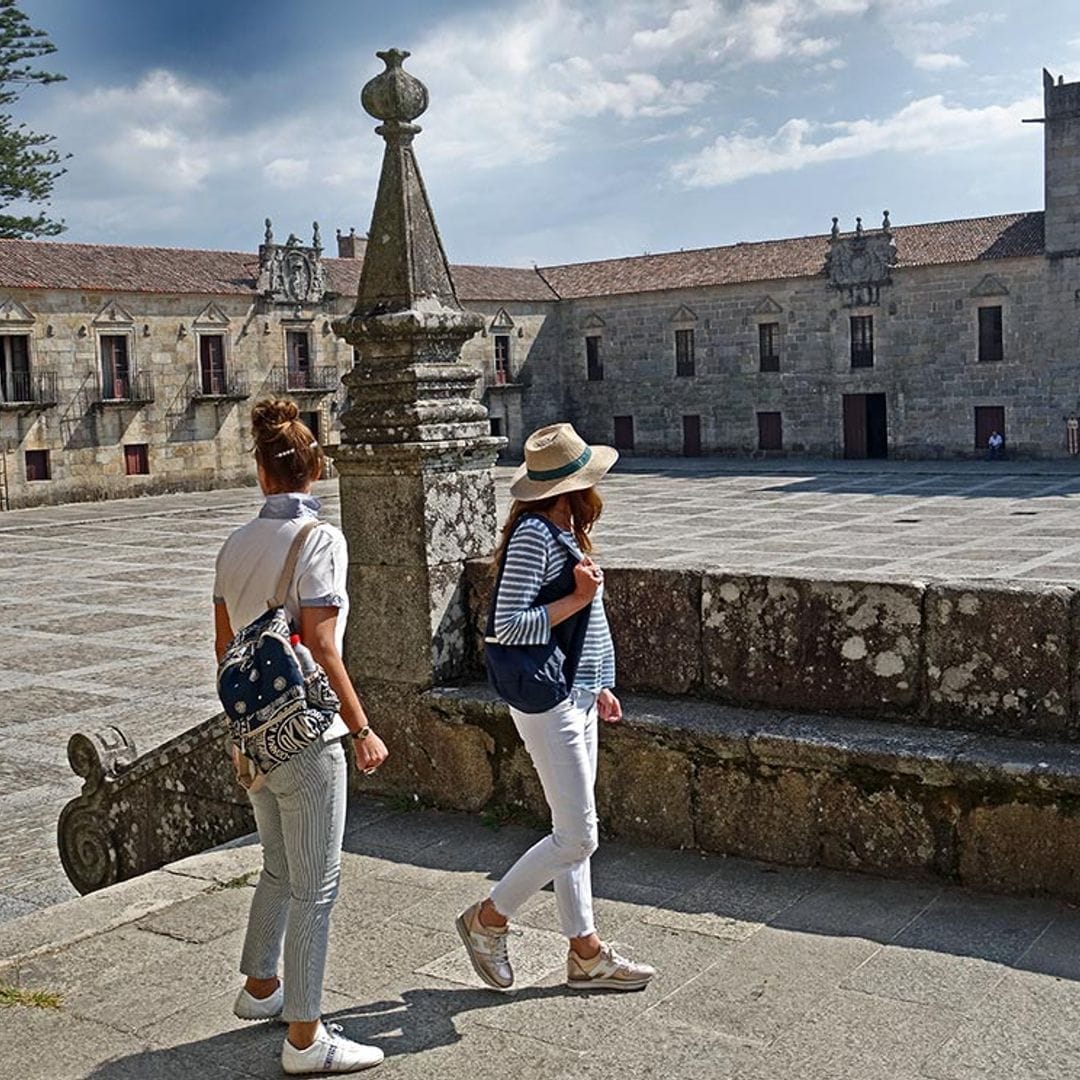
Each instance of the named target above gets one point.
<point>550,656</point>
<point>299,805</point>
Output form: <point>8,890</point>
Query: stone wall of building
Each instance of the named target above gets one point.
<point>531,393</point>
<point>192,440</point>
<point>925,362</point>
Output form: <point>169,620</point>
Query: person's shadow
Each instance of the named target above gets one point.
<point>420,1019</point>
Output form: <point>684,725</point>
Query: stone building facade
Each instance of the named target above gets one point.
<point>127,370</point>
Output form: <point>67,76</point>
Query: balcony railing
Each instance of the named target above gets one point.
<point>224,385</point>
<point>27,390</point>
<point>311,380</point>
<point>137,389</point>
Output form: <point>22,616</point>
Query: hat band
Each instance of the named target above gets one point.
<point>563,470</point>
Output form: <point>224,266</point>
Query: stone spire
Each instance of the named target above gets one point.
<point>405,267</point>
<point>416,457</point>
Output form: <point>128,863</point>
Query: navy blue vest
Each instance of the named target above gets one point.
<point>535,678</point>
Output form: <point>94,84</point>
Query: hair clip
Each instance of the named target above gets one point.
<point>312,444</point>
<point>286,453</point>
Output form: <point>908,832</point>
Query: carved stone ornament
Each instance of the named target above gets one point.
<point>291,273</point>
<point>84,836</point>
<point>858,264</point>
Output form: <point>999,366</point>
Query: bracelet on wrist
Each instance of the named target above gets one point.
<point>363,733</point>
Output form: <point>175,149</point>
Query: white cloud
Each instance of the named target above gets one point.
<point>937,61</point>
<point>287,172</point>
<point>929,125</point>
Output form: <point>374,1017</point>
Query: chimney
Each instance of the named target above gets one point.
<point>351,246</point>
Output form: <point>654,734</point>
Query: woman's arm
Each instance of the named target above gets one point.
<point>519,620</point>
<point>223,631</point>
<point>317,627</point>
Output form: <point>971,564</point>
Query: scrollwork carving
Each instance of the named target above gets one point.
<point>86,847</point>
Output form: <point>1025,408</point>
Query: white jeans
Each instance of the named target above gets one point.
<point>562,744</point>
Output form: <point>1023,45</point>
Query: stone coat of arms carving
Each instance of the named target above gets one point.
<point>860,263</point>
<point>291,273</point>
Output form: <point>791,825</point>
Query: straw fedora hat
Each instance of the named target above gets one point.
<point>558,460</point>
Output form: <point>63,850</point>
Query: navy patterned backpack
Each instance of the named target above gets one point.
<point>274,711</point>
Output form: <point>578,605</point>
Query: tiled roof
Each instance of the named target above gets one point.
<point>36,264</point>
<point>1002,237</point>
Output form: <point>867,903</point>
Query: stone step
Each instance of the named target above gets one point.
<point>882,797</point>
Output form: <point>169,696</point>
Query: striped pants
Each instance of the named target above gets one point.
<point>300,814</point>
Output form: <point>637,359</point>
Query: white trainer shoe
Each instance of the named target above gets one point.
<point>606,971</point>
<point>330,1053</point>
<point>247,1007</point>
<point>486,946</point>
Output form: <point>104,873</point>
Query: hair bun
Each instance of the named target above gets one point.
<point>270,416</point>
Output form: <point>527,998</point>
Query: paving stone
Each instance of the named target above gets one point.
<point>955,951</point>
<point>759,988</point>
<point>735,902</point>
<point>853,1036</point>
<point>33,1052</point>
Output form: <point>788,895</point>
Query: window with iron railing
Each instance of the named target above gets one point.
<point>15,367</point>
<point>502,359</point>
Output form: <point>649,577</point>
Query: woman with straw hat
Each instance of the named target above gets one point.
<point>550,591</point>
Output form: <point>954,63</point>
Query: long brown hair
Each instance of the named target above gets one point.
<point>585,508</point>
<point>284,446</point>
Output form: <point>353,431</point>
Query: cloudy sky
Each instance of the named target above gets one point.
<point>559,130</point>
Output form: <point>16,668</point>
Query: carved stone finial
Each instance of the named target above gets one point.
<point>394,95</point>
<point>885,223</point>
<point>407,269</point>
<point>316,239</point>
<point>268,236</point>
<point>858,226</point>
<point>835,228</point>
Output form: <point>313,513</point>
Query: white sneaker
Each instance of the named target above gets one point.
<point>248,1007</point>
<point>330,1053</point>
<point>486,946</point>
<point>607,970</point>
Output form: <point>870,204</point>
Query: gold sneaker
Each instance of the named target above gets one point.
<point>607,970</point>
<point>486,946</point>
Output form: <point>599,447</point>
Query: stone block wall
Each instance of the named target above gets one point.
<point>997,659</point>
<point>925,361</point>
<point>193,443</point>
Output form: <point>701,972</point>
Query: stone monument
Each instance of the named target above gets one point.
<point>416,455</point>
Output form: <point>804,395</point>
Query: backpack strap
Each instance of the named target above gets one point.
<point>282,590</point>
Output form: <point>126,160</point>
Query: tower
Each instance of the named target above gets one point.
<point>1062,165</point>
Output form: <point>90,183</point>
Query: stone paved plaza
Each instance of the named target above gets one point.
<point>107,605</point>
<point>765,973</point>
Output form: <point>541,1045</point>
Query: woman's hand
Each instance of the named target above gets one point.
<point>608,707</point>
<point>370,752</point>
<point>587,579</point>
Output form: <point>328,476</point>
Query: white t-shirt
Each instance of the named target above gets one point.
<point>252,558</point>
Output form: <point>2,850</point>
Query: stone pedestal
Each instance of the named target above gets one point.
<point>416,457</point>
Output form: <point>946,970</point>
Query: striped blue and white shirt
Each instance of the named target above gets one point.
<point>533,558</point>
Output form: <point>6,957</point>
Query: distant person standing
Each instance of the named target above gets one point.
<point>995,446</point>
<point>551,658</point>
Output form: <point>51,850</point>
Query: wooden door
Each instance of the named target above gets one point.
<point>988,419</point>
<point>691,436</point>
<point>854,425</point>
<point>877,426</point>
<point>624,432</point>
<point>770,431</point>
